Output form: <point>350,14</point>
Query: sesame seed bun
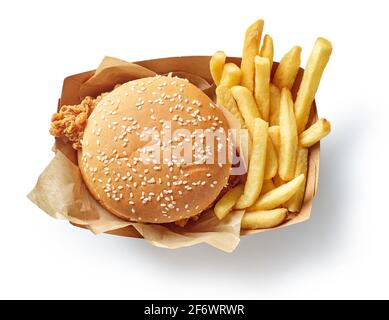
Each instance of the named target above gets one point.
<point>140,186</point>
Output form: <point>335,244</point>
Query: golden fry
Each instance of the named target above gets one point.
<point>315,133</point>
<point>226,99</point>
<point>250,50</point>
<point>314,69</point>
<point>271,167</point>
<point>256,169</point>
<point>231,75</point>
<point>267,49</point>
<point>247,106</point>
<point>262,86</point>
<point>226,203</point>
<point>288,137</point>
<point>279,195</point>
<point>275,96</point>
<point>274,133</point>
<point>294,204</point>
<point>263,219</point>
<point>245,145</point>
<point>216,65</point>
<point>288,68</point>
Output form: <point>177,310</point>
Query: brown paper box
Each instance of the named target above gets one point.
<point>196,68</point>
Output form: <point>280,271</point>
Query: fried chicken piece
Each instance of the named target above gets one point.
<point>232,182</point>
<point>70,120</point>
<point>183,222</point>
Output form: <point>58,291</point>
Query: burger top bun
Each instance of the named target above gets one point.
<point>132,157</point>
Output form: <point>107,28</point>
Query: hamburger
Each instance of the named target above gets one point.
<point>133,152</point>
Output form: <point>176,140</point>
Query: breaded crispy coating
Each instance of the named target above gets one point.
<point>70,120</point>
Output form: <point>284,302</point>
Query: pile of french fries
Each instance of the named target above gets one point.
<point>279,139</point>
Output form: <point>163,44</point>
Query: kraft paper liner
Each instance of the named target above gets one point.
<point>61,193</point>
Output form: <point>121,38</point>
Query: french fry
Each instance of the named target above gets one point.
<point>256,169</point>
<point>231,75</point>
<point>262,86</point>
<point>267,186</point>
<point>271,167</point>
<point>288,137</point>
<point>247,106</point>
<point>294,204</point>
<point>315,133</point>
<point>288,68</point>
<point>279,195</point>
<point>250,50</point>
<point>226,203</point>
<point>275,96</point>
<point>274,134</point>
<point>245,146</point>
<point>309,84</point>
<point>216,65</point>
<point>263,219</point>
<point>226,99</point>
<point>267,49</point>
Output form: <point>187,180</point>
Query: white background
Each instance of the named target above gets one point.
<point>342,252</point>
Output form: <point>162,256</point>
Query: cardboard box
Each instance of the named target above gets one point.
<point>196,69</point>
